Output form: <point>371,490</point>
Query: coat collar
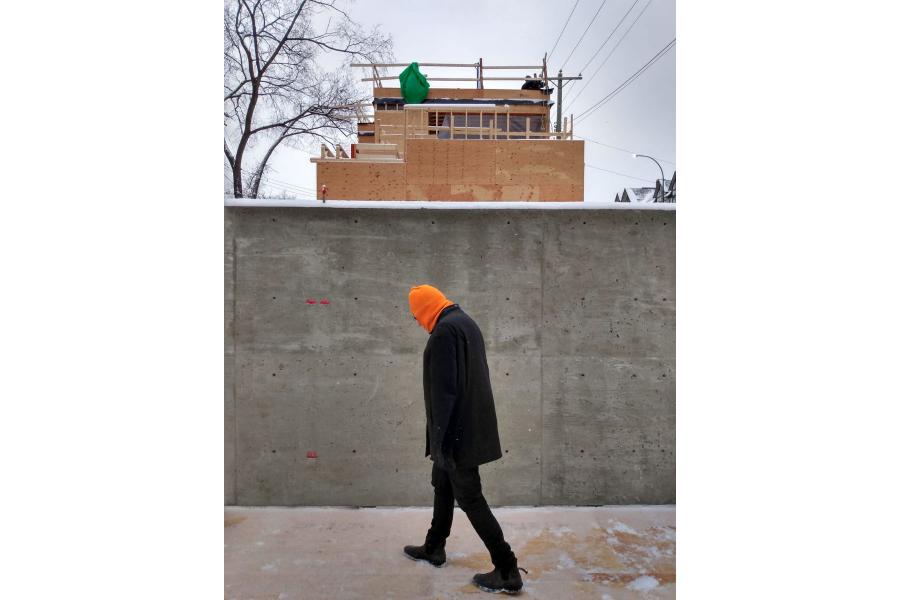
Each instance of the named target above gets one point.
<point>446,311</point>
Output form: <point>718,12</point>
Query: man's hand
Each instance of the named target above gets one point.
<point>445,461</point>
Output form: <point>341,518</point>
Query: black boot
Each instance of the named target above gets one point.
<point>506,580</point>
<point>435,556</point>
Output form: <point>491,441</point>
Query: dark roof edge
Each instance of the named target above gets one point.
<point>498,101</point>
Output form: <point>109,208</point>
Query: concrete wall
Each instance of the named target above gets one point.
<point>577,308</point>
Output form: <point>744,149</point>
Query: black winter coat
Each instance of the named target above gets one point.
<point>461,424</point>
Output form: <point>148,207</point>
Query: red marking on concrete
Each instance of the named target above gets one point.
<point>324,301</point>
<point>310,301</point>
<point>312,454</point>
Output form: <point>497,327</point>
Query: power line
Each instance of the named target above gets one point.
<point>622,174</point>
<point>563,29</point>
<point>578,43</point>
<point>606,41</point>
<point>290,187</point>
<point>625,150</point>
<point>609,37</point>
<point>613,51</point>
<point>298,188</point>
<point>627,82</point>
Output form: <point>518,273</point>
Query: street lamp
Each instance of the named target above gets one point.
<point>662,181</point>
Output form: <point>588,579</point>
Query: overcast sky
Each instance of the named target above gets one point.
<point>641,118</point>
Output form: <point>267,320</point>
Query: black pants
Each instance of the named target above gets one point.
<point>464,485</point>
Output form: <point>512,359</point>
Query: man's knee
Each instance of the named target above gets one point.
<point>469,498</point>
<point>467,488</point>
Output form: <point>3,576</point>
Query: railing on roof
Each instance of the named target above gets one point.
<point>479,67</point>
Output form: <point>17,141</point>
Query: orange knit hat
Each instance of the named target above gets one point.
<point>426,303</point>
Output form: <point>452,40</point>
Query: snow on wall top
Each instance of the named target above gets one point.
<point>437,205</point>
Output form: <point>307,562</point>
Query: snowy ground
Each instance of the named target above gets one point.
<point>619,553</point>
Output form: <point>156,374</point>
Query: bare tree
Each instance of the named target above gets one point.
<point>275,90</point>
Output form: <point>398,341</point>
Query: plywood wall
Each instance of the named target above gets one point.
<point>465,170</point>
<point>358,180</point>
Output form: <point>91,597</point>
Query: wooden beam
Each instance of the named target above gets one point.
<point>384,77</point>
<point>376,147</point>
<point>421,64</point>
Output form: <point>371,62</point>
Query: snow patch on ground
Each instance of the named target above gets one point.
<point>565,561</point>
<point>643,583</point>
<point>269,567</point>
<point>559,531</point>
<point>620,527</point>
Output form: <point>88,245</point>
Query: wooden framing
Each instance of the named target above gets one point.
<point>420,127</point>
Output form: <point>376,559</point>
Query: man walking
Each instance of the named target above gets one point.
<point>460,434</point>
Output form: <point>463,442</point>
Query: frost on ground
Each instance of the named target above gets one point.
<point>574,553</point>
<point>643,583</point>
<point>565,561</point>
<point>620,527</point>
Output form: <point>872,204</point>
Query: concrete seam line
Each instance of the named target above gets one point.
<point>234,361</point>
<point>541,358</point>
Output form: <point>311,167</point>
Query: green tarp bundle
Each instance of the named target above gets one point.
<point>413,84</point>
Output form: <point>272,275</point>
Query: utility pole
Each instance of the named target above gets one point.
<point>559,83</point>
<point>559,86</point>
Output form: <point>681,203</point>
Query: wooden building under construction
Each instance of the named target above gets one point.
<point>480,144</point>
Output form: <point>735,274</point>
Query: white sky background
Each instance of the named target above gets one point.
<point>641,118</point>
